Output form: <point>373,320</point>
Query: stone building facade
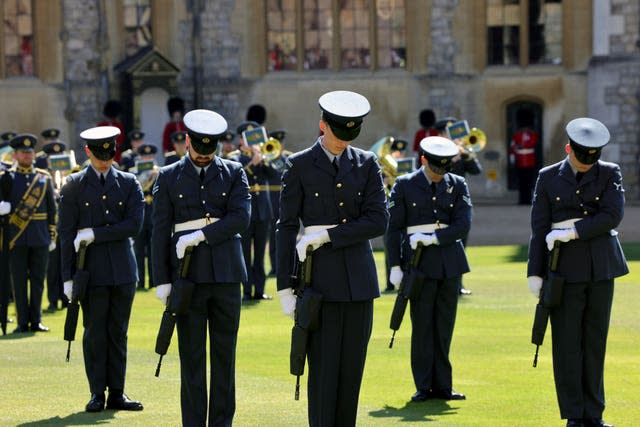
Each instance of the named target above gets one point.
<point>219,48</point>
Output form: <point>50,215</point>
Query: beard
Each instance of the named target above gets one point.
<point>202,161</point>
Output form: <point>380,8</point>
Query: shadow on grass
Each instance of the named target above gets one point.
<point>79,418</point>
<point>11,336</point>
<point>413,411</point>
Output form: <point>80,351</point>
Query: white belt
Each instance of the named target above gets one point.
<point>568,223</point>
<point>426,228</point>
<point>315,228</point>
<point>194,224</point>
<point>525,151</point>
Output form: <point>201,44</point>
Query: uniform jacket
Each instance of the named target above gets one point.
<point>413,203</point>
<point>259,177</point>
<point>114,212</point>
<point>179,196</point>
<point>523,148</point>
<point>599,201</point>
<point>354,199</point>
<point>37,232</point>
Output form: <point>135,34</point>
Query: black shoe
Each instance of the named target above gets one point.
<point>39,328</point>
<point>421,396</point>
<point>263,296</point>
<point>595,422</point>
<point>121,401</point>
<point>96,404</point>
<point>448,395</point>
<point>464,291</point>
<point>271,274</point>
<point>51,309</point>
<point>389,290</point>
<point>20,330</point>
<point>572,422</point>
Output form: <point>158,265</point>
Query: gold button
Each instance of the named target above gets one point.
<point>435,211</point>
<point>317,194</point>
<point>203,202</point>
<point>451,205</point>
<point>344,220</point>
<point>86,203</point>
<point>202,187</point>
<point>414,204</point>
<point>359,193</point>
<point>586,213</point>
<point>597,198</point>
<point>341,203</point>
<point>107,211</point>
<point>433,198</point>
<point>120,203</point>
<point>208,215</point>
<point>104,197</point>
<point>577,191</point>
<point>339,185</point>
<point>224,194</point>
<point>558,198</point>
<point>180,196</point>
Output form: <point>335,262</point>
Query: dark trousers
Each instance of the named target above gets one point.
<point>55,287</point>
<point>337,353</point>
<point>27,263</point>
<point>272,247</point>
<point>142,250</point>
<point>258,234</point>
<point>526,180</point>
<point>105,317</point>
<point>433,316</point>
<point>216,306</point>
<point>579,329</point>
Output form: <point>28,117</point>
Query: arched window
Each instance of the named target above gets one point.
<point>137,24</point>
<point>17,38</point>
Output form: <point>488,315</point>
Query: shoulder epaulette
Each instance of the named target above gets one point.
<point>170,153</point>
<point>42,171</point>
<point>41,154</point>
<point>127,153</point>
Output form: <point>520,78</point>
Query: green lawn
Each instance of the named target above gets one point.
<point>491,356</point>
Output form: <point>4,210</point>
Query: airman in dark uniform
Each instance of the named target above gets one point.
<point>129,157</point>
<point>55,291</point>
<point>49,136</point>
<point>203,201</point>
<point>274,192</point>
<point>336,191</point>
<point>103,207</point>
<point>179,148</point>
<point>31,232</point>
<point>255,238</point>
<point>579,202</point>
<point>433,207</point>
<point>5,208</point>
<point>142,242</point>
<point>228,148</point>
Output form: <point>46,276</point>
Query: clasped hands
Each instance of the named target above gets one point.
<point>426,239</point>
<point>315,240</point>
<point>561,235</point>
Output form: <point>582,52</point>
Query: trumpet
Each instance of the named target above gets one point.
<point>475,140</point>
<point>271,149</point>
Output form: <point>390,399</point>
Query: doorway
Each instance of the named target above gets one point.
<point>532,110</point>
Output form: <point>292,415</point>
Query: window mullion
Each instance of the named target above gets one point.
<point>373,35</point>
<point>524,33</point>
<point>300,39</point>
<point>336,39</point>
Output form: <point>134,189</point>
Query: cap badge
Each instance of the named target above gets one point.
<point>206,140</point>
<point>26,142</point>
<point>351,124</point>
<point>147,150</point>
<point>56,148</point>
<point>443,161</point>
<point>105,145</point>
<point>249,127</point>
<point>592,151</point>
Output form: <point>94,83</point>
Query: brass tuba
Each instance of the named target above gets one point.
<point>475,141</point>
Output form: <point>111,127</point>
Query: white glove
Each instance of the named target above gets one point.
<point>426,239</point>
<point>535,284</point>
<point>287,302</point>
<point>191,239</point>
<point>314,240</point>
<point>68,288</point>
<point>5,207</point>
<point>84,235</point>
<point>395,276</point>
<point>562,235</point>
<point>163,291</point>
<point>52,246</point>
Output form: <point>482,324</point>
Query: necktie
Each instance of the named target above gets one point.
<point>202,174</point>
<point>102,180</point>
<point>335,164</point>
<point>579,176</point>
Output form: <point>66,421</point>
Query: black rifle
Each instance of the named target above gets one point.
<point>307,317</point>
<point>78,293</point>
<point>410,287</point>
<point>177,303</point>
<point>550,296</point>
